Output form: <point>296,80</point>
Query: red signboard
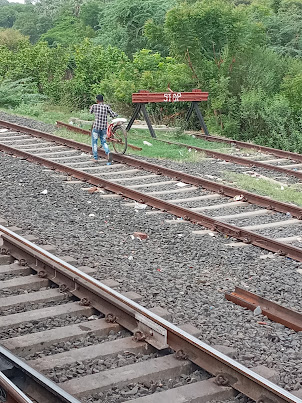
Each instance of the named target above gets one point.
<point>144,97</point>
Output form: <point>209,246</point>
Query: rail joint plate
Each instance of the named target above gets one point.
<point>156,335</point>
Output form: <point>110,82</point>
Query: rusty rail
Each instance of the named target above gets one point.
<point>238,160</point>
<point>229,191</point>
<point>133,316</point>
<point>274,151</point>
<point>197,218</point>
<point>273,311</point>
<point>278,153</point>
<point>210,153</point>
<point>87,132</point>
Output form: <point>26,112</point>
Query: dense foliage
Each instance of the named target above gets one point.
<point>246,53</point>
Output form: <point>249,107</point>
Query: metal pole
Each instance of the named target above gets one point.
<point>190,112</point>
<point>200,117</point>
<point>134,116</point>
<point>147,119</point>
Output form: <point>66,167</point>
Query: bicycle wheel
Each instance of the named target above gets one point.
<point>119,139</point>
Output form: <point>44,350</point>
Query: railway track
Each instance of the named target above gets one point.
<point>290,165</point>
<point>253,155</point>
<point>20,383</point>
<point>285,162</point>
<point>98,345</point>
<point>250,146</point>
<point>191,198</point>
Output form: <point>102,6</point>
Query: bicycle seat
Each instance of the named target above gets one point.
<point>119,120</point>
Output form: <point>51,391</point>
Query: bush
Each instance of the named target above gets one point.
<point>292,88</point>
<point>14,93</point>
<point>269,121</point>
<point>148,71</point>
<point>35,110</point>
<point>12,39</point>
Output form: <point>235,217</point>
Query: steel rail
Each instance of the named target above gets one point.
<point>216,154</point>
<point>37,383</point>
<point>224,368</point>
<point>72,128</point>
<point>88,133</point>
<point>10,392</point>
<point>273,311</point>
<point>185,213</point>
<point>243,144</point>
<point>238,160</point>
<point>229,191</point>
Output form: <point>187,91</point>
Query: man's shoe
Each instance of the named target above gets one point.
<point>109,158</point>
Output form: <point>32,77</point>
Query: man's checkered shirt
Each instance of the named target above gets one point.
<point>101,111</point>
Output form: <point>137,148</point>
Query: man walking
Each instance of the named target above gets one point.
<point>99,128</point>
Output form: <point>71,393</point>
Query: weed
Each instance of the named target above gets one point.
<point>288,194</point>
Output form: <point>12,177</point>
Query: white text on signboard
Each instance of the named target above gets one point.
<point>172,97</point>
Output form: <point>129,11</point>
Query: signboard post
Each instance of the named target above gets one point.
<point>143,97</point>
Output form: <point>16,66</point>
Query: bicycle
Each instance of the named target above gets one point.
<point>117,135</point>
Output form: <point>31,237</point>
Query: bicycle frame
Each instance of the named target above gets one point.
<point>110,130</point>
<point>112,126</point>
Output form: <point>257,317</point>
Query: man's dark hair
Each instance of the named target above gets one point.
<point>100,98</point>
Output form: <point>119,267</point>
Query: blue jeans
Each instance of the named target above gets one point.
<point>95,134</point>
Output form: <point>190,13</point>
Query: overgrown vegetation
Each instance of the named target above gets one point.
<point>265,187</point>
<point>19,92</point>
<point>247,54</point>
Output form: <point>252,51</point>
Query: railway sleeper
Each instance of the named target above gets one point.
<point>30,344</point>
<point>72,309</point>
<point>40,296</point>
<point>98,351</point>
<point>156,369</point>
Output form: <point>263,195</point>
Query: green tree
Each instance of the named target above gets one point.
<point>260,69</point>
<point>269,120</point>
<point>46,66</point>
<point>12,39</point>
<point>7,16</point>
<point>122,22</point>
<point>89,13</point>
<point>286,4</point>
<point>206,27</point>
<point>31,24</point>
<point>276,4</point>
<point>90,64</point>
<point>284,31</point>
<point>148,71</point>
<point>54,9</point>
<point>67,31</point>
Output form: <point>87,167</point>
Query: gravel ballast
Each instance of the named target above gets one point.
<point>185,274</point>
